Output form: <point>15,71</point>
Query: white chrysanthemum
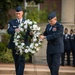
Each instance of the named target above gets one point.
<point>30,23</point>
<point>25,26</point>
<point>16,43</point>
<point>22,44</point>
<point>27,47</point>
<point>25,22</point>
<point>37,49</point>
<point>32,52</point>
<point>31,45</point>
<point>21,51</point>
<point>34,26</point>
<point>31,27</point>
<point>18,36</point>
<point>37,34</point>
<point>38,28</point>
<point>35,22</point>
<point>29,50</point>
<point>26,51</point>
<point>15,34</point>
<point>21,29</point>
<point>34,40</point>
<point>22,47</point>
<point>36,44</point>
<point>15,40</point>
<point>18,46</point>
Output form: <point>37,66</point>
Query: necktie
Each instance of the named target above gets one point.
<point>19,21</point>
<point>50,28</point>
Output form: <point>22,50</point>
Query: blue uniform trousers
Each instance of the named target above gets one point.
<point>63,57</point>
<point>19,63</point>
<point>73,54</point>
<point>53,61</point>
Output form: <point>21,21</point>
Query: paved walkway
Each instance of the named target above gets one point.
<point>36,68</point>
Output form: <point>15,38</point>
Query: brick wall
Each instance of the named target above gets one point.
<point>52,4</point>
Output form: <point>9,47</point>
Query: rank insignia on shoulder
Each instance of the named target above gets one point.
<point>8,26</point>
<point>60,24</point>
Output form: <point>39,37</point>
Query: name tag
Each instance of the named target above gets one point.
<point>14,26</point>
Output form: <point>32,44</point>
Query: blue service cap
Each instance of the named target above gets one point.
<point>18,9</point>
<point>51,16</point>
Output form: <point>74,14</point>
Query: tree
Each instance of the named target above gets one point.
<point>5,5</point>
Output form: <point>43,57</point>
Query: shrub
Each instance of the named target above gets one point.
<point>38,16</point>
<point>5,53</point>
<point>6,57</point>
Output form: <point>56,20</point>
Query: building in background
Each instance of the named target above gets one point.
<point>65,10</point>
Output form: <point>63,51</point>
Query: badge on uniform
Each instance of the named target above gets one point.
<point>68,37</point>
<point>54,29</point>
<point>14,26</point>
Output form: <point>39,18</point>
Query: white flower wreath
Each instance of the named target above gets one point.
<point>18,38</point>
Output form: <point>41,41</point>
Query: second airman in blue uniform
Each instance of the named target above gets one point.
<point>54,36</point>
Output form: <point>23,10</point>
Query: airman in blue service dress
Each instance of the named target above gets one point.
<point>54,36</point>
<point>72,43</point>
<point>66,39</point>
<point>18,59</point>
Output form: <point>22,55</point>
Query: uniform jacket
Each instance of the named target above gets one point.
<point>72,41</point>
<point>12,25</point>
<point>66,39</point>
<point>54,37</point>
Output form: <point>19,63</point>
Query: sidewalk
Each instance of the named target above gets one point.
<point>33,69</point>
